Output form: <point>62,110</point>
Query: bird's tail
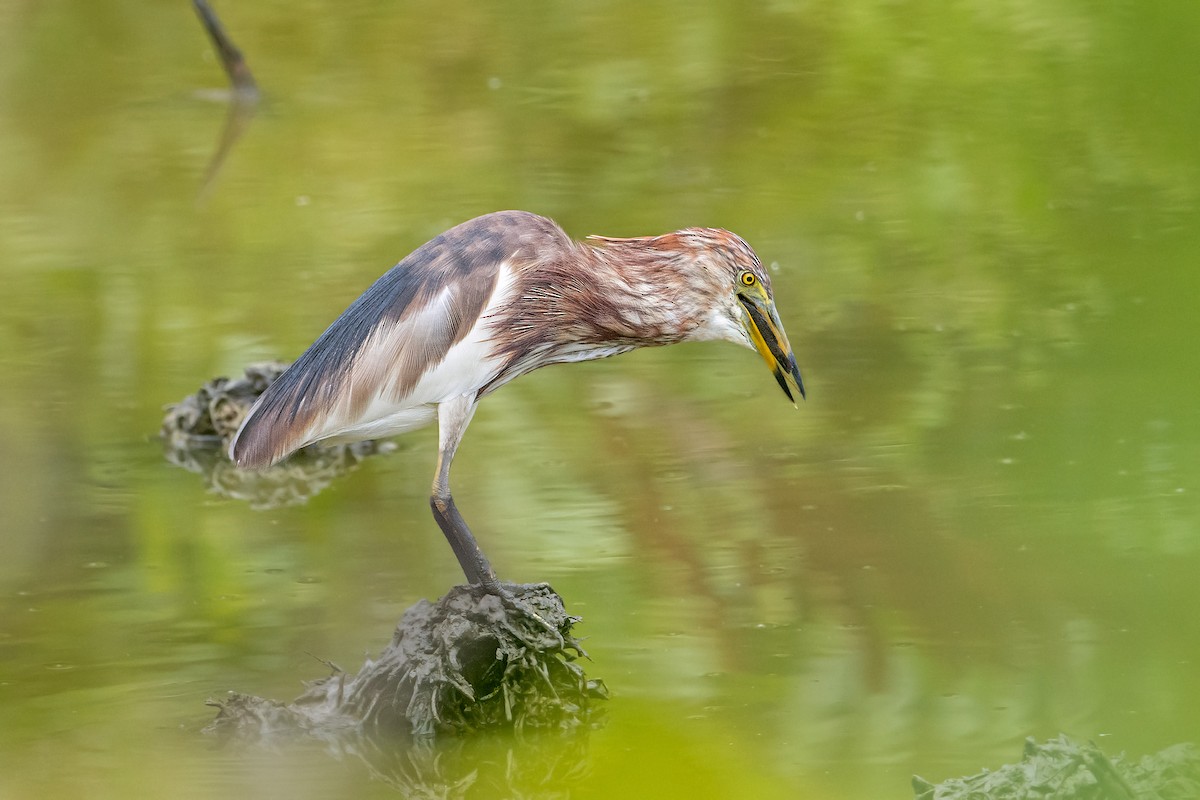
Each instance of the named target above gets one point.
<point>247,449</point>
<point>276,425</point>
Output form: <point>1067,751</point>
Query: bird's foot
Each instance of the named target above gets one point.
<point>514,605</point>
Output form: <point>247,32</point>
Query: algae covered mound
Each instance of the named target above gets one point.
<point>466,663</point>
<point>210,417</point>
<point>1062,769</point>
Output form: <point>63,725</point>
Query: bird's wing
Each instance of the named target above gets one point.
<point>368,363</point>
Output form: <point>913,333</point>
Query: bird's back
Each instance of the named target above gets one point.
<point>413,339</point>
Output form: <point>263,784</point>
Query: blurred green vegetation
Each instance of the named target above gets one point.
<point>981,526</point>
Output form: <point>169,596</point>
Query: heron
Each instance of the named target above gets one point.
<point>488,301</point>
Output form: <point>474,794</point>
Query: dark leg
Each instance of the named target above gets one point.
<point>472,560</point>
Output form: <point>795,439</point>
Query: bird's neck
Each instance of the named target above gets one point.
<point>586,301</point>
<point>635,294</point>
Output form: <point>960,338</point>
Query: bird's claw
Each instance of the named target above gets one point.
<point>523,608</point>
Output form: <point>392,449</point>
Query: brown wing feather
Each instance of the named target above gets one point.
<point>389,337</point>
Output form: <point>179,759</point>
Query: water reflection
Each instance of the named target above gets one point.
<point>533,767</point>
<point>243,96</point>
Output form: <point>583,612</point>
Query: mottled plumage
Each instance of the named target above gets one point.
<point>488,301</point>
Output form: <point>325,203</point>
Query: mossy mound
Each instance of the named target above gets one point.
<point>1062,769</point>
<point>469,662</point>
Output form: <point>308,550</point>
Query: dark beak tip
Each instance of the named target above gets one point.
<point>781,379</point>
<point>795,371</point>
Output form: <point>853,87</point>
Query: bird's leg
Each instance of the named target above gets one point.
<point>453,417</point>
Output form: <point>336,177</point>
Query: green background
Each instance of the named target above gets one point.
<point>983,524</point>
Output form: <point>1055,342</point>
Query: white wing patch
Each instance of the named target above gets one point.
<point>401,376</point>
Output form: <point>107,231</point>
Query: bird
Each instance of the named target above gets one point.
<point>488,301</point>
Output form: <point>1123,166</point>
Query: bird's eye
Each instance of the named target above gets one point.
<point>748,279</point>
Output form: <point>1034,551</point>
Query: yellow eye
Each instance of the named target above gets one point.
<point>748,279</point>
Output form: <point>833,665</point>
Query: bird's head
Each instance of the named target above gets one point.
<point>759,324</point>
<point>748,304</point>
<point>743,306</point>
<point>715,280</point>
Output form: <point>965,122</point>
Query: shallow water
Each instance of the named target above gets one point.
<point>983,524</point>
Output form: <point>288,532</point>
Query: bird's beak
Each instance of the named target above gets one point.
<point>766,332</point>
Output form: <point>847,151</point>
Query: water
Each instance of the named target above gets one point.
<point>983,524</point>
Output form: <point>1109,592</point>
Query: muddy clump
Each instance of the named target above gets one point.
<point>197,430</point>
<point>469,662</point>
<point>1062,769</point>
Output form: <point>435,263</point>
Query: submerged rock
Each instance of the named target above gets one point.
<point>210,417</point>
<point>1062,769</point>
<point>197,430</point>
<point>469,662</point>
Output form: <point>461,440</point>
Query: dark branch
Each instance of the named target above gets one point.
<point>231,57</point>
